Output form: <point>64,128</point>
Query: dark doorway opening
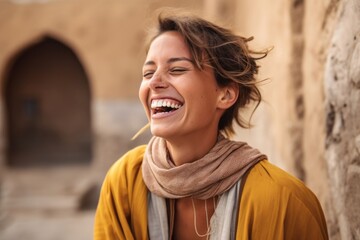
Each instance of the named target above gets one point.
<point>47,97</point>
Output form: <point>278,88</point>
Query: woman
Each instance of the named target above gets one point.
<point>191,181</point>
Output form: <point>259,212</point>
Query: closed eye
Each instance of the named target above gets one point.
<point>178,71</point>
<point>148,74</point>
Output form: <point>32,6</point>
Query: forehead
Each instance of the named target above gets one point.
<point>168,44</point>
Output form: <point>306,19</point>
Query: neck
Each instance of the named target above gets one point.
<point>190,148</point>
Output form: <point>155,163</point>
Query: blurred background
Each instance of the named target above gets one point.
<point>69,74</point>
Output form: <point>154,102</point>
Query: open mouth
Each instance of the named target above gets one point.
<point>165,105</point>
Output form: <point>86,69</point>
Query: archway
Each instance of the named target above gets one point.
<point>47,97</point>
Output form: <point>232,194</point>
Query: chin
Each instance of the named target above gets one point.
<point>158,133</point>
<point>161,132</point>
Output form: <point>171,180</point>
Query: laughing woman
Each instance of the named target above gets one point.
<point>191,181</point>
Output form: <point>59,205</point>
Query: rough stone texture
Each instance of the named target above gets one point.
<point>342,94</point>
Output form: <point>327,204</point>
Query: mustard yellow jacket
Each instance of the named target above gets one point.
<point>274,205</point>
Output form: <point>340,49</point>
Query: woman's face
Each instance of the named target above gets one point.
<point>179,99</point>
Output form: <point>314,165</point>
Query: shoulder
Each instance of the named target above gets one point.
<point>123,195</point>
<point>271,181</point>
<point>272,195</point>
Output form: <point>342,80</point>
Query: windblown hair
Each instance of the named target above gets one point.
<point>226,53</point>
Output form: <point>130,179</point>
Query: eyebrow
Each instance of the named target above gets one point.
<point>171,60</point>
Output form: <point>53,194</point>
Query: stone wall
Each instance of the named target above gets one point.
<point>342,101</point>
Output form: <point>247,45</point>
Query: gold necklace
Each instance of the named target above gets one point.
<point>208,232</point>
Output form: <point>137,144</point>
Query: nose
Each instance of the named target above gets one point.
<point>158,81</point>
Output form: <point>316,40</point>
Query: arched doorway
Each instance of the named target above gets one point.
<point>47,97</point>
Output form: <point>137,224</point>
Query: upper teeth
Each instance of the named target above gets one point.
<point>164,103</point>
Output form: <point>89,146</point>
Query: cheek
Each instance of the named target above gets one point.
<point>206,101</point>
<point>143,92</point>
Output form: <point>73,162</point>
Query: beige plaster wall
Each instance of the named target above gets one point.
<point>108,38</point>
<point>263,19</point>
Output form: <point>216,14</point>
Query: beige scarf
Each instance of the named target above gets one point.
<point>215,173</point>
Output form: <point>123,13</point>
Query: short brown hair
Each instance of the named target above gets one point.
<point>227,53</point>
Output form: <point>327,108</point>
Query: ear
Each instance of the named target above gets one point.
<point>228,96</point>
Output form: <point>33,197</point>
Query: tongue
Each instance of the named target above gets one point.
<point>164,109</point>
